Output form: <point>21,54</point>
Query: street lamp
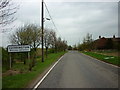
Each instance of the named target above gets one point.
<point>47,19</point>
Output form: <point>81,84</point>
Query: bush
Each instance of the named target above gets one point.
<point>5,59</point>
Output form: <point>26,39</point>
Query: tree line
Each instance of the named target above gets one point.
<point>90,44</point>
<point>27,35</point>
<point>31,34</point>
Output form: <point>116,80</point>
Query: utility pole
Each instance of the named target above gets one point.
<point>42,26</point>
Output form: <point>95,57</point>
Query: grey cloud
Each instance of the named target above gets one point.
<point>74,20</point>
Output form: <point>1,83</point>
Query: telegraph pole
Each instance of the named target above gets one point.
<point>42,26</point>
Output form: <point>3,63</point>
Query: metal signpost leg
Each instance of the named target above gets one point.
<point>29,61</point>
<point>28,56</point>
<point>10,61</point>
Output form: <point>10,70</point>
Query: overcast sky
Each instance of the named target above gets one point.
<point>72,19</point>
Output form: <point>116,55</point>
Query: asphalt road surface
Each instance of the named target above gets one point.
<point>76,70</point>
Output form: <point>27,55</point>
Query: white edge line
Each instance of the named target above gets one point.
<point>36,86</point>
<point>101,61</point>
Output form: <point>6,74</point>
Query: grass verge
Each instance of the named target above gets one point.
<point>21,80</point>
<point>109,59</point>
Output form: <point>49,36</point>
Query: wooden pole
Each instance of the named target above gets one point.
<point>42,25</point>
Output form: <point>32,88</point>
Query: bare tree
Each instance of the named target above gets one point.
<point>61,44</point>
<point>47,39</point>
<point>53,40</point>
<point>87,43</point>
<point>28,34</point>
<point>7,12</point>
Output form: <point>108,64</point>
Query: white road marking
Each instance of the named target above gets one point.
<point>36,86</point>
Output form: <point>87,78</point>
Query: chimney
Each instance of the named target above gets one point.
<point>99,37</point>
<point>113,36</point>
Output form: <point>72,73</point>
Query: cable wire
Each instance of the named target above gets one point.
<point>51,18</point>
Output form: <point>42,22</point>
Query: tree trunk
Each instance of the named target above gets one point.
<point>24,61</point>
<point>23,57</point>
<point>46,51</point>
<point>55,49</point>
<point>30,67</point>
<point>34,57</point>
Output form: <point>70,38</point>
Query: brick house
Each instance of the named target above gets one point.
<point>106,43</point>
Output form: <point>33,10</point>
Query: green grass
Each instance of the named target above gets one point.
<point>107,51</point>
<point>109,59</point>
<point>4,69</point>
<point>0,77</point>
<point>21,80</point>
<point>21,67</point>
<point>17,66</point>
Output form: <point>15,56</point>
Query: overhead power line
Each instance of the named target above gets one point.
<point>51,18</point>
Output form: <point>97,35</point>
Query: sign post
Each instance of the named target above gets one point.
<point>28,56</point>
<point>18,48</point>
<point>10,61</point>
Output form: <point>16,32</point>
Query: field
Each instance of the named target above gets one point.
<point>106,56</point>
<point>109,52</point>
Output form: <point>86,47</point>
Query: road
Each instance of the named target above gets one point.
<point>76,70</point>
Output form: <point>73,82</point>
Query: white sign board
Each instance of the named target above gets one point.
<point>18,48</point>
